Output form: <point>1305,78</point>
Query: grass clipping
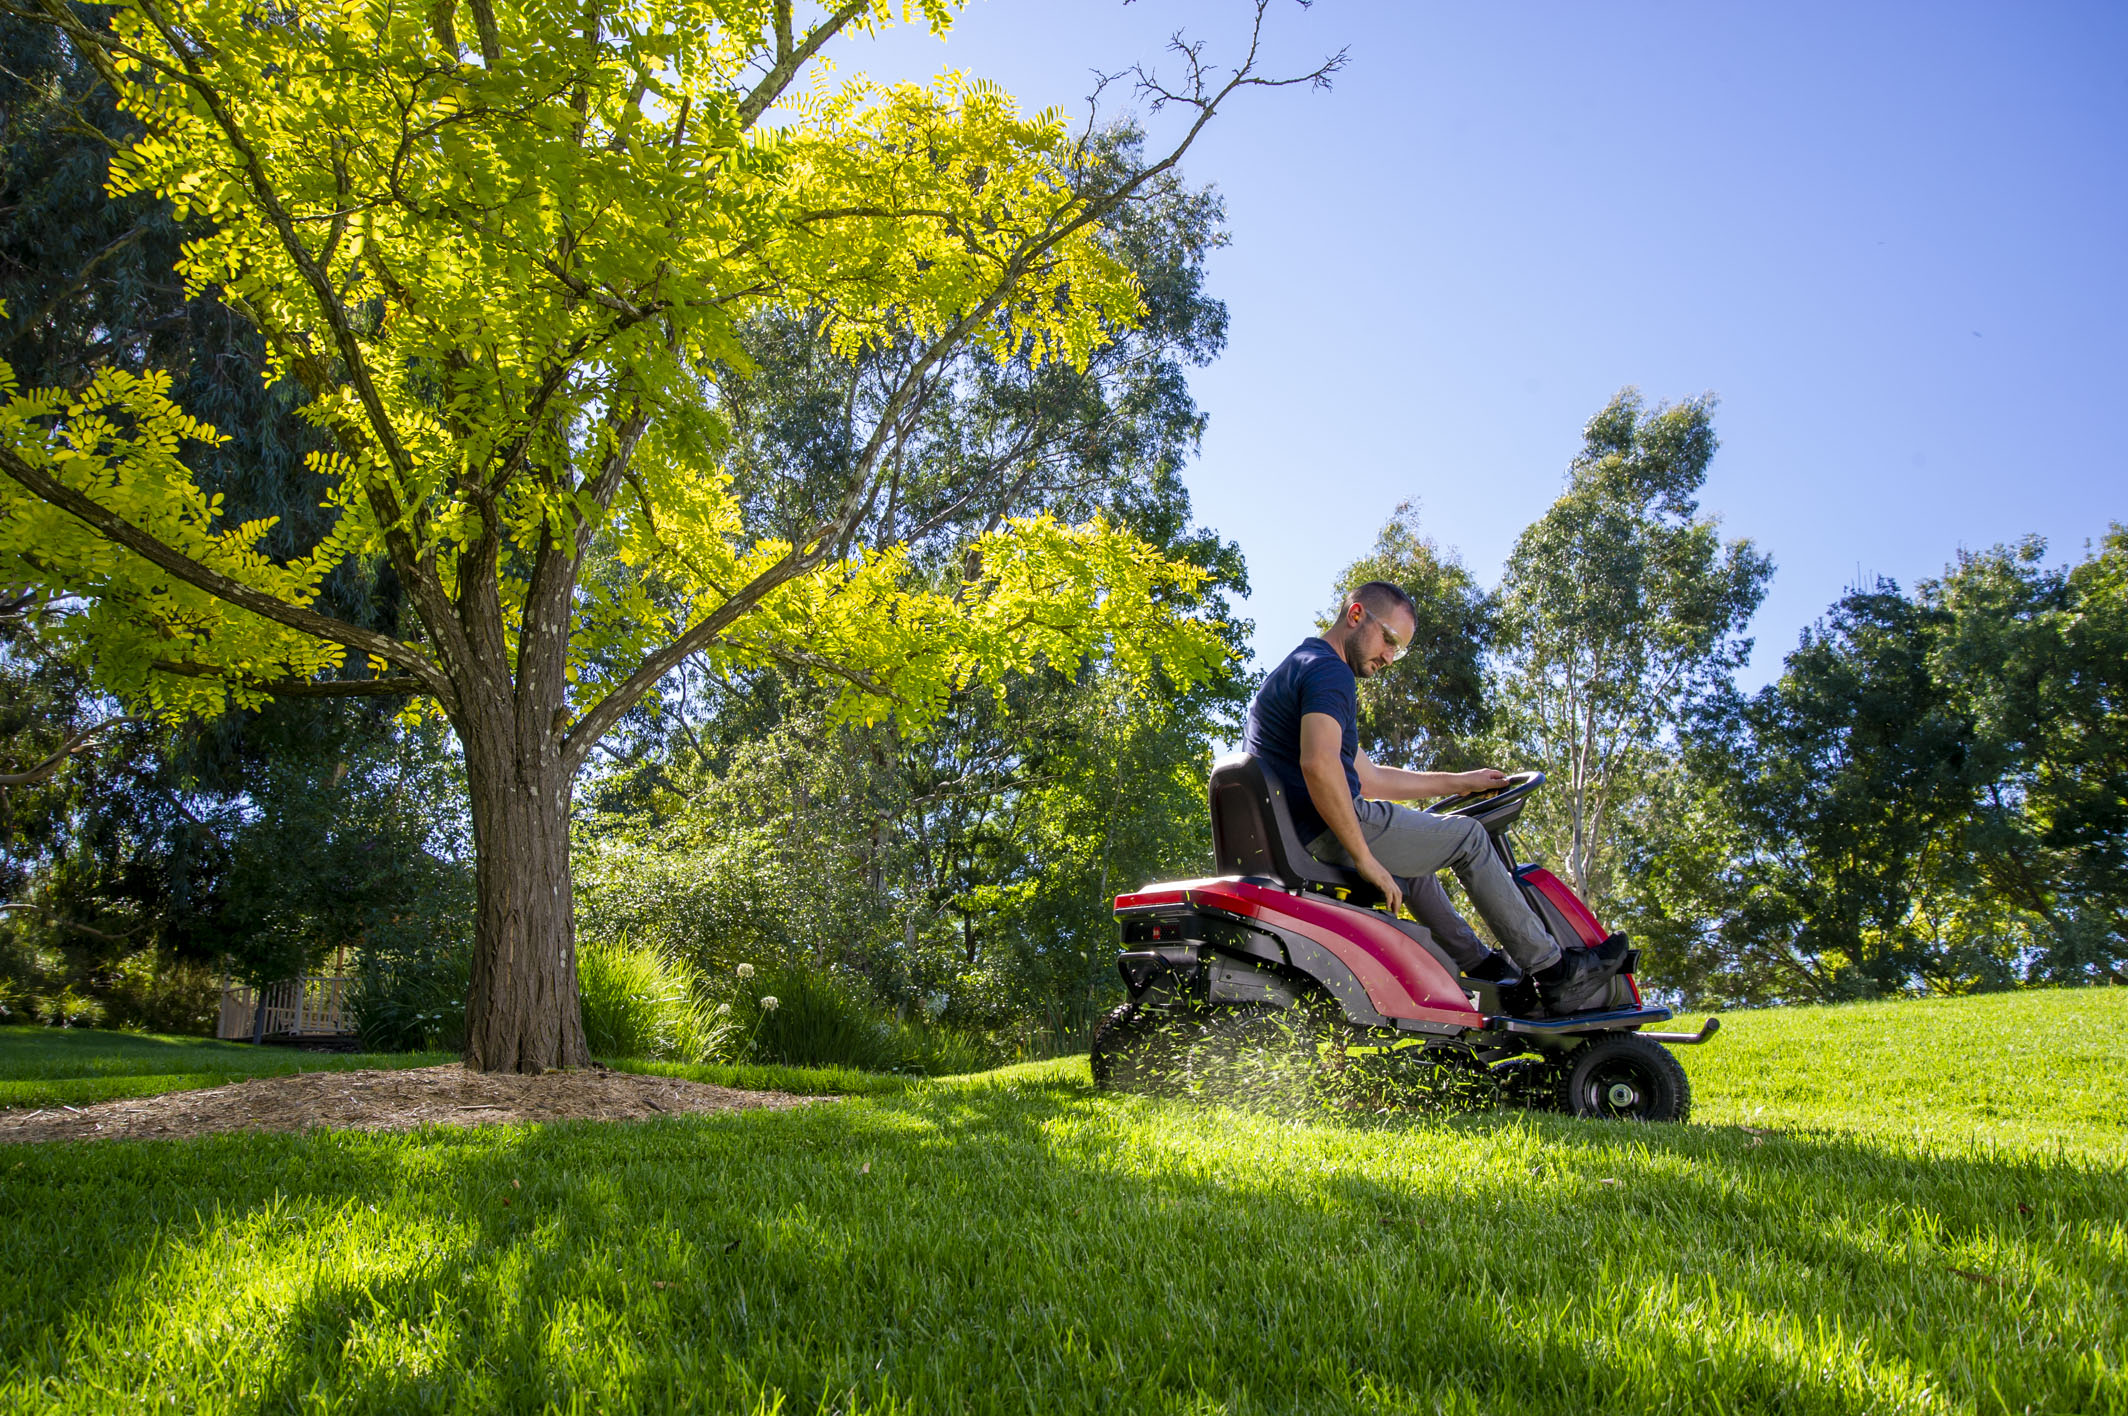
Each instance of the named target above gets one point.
<point>398,1100</point>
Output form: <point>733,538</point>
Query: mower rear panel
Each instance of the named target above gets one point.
<point>1403,984</point>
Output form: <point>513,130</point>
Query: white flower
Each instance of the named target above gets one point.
<point>724,1010</point>
<point>769,1004</point>
<point>746,970</point>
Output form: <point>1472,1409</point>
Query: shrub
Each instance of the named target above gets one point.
<point>410,992</point>
<point>824,1019</point>
<point>641,1002</point>
<point>150,992</point>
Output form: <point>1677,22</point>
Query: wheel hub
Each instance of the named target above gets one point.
<point>1622,1095</point>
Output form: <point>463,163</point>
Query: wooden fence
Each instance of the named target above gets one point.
<point>312,1006</point>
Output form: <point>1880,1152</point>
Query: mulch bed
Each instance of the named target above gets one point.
<point>386,1100</point>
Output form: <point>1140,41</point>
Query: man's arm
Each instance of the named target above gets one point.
<point>1395,784</point>
<point>1323,764</point>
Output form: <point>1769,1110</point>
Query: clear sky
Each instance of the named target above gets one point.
<point>1888,238</point>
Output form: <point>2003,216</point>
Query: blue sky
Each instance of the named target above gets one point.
<point>1888,237</point>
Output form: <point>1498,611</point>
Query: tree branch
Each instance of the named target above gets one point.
<point>75,744</point>
<point>64,923</point>
<point>609,710</point>
<point>43,485</point>
<point>398,687</point>
<point>790,56</point>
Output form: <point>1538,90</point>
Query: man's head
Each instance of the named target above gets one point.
<point>1375,627</point>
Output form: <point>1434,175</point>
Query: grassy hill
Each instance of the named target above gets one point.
<point>1914,1207</point>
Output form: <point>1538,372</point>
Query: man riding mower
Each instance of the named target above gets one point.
<point>1281,961</point>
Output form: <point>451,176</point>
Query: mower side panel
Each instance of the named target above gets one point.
<point>1401,980</point>
<point>1553,892</point>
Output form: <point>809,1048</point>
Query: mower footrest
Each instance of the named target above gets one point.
<point>1582,1022</point>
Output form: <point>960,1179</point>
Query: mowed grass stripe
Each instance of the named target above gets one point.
<point>1016,1242</point>
<point>81,1066</point>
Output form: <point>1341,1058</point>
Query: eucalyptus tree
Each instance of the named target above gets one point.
<point>510,275</point>
<point>1618,605</point>
<point>1425,710</point>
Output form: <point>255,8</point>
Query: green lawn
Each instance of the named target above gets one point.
<point>1929,1213</point>
<point>77,1066</point>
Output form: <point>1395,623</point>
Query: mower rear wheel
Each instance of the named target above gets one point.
<point>1129,1053</point>
<point>1625,1077</point>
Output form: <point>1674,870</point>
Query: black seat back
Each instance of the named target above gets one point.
<point>1252,829</point>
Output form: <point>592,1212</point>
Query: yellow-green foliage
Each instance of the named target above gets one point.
<point>503,269</point>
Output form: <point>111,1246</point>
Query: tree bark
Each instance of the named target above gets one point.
<point>522,1013</point>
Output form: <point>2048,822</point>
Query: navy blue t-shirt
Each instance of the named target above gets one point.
<point>1313,679</point>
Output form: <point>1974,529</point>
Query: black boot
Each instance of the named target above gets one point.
<point>1495,967</point>
<point>1580,981</point>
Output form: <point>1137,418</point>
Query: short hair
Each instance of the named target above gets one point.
<point>1379,597</point>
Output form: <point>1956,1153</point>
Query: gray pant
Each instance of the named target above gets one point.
<point>1412,845</point>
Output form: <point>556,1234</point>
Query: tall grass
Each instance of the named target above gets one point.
<point>806,1017</point>
<point>639,1002</point>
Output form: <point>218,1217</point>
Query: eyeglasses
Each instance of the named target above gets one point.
<point>1394,645</point>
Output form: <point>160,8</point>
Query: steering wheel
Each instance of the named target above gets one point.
<point>1517,786</point>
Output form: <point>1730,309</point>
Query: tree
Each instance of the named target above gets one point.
<point>2081,790</point>
<point>968,869</point>
<point>1838,780</point>
<point>511,280</point>
<point>2032,656</point>
<point>1619,605</point>
<point>1423,711</point>
<point>1924,799</point>
<point>125,839</point>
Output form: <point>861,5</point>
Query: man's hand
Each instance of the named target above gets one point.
<point>1372,872</point>
<point>1484,779</point>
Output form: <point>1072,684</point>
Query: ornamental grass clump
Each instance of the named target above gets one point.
<point>639,1002</point>
<point>816,1017</point>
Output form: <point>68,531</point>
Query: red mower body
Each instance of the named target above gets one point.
<point>1403,980</point>
<point>1227,975</point>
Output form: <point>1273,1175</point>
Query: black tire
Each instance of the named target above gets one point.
<point>1113,1034</point>
<point>1625,1077</point>
<point>1531,1083</point>
<point>1134,1050</point>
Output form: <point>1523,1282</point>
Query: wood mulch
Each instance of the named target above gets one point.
<point>386,1100</point>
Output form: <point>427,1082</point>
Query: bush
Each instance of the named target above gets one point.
<point>802,1017</point>
<point>410,992</point>
<point>150,992</point>
<point>147,990</point>
<point>640,1002</point>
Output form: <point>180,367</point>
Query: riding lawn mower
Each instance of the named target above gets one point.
<point>1278,979</point>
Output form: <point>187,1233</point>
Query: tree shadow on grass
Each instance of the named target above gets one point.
<point>36,1052</point>
<point>1037,1247</point>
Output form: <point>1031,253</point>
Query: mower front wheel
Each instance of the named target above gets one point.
<point>1625,1077</point>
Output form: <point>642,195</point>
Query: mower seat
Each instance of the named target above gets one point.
<point>1252,833</point>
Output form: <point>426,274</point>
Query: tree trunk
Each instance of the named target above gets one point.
<point>522,1013</point>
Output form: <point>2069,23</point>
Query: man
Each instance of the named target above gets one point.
<point>1303,727</point>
